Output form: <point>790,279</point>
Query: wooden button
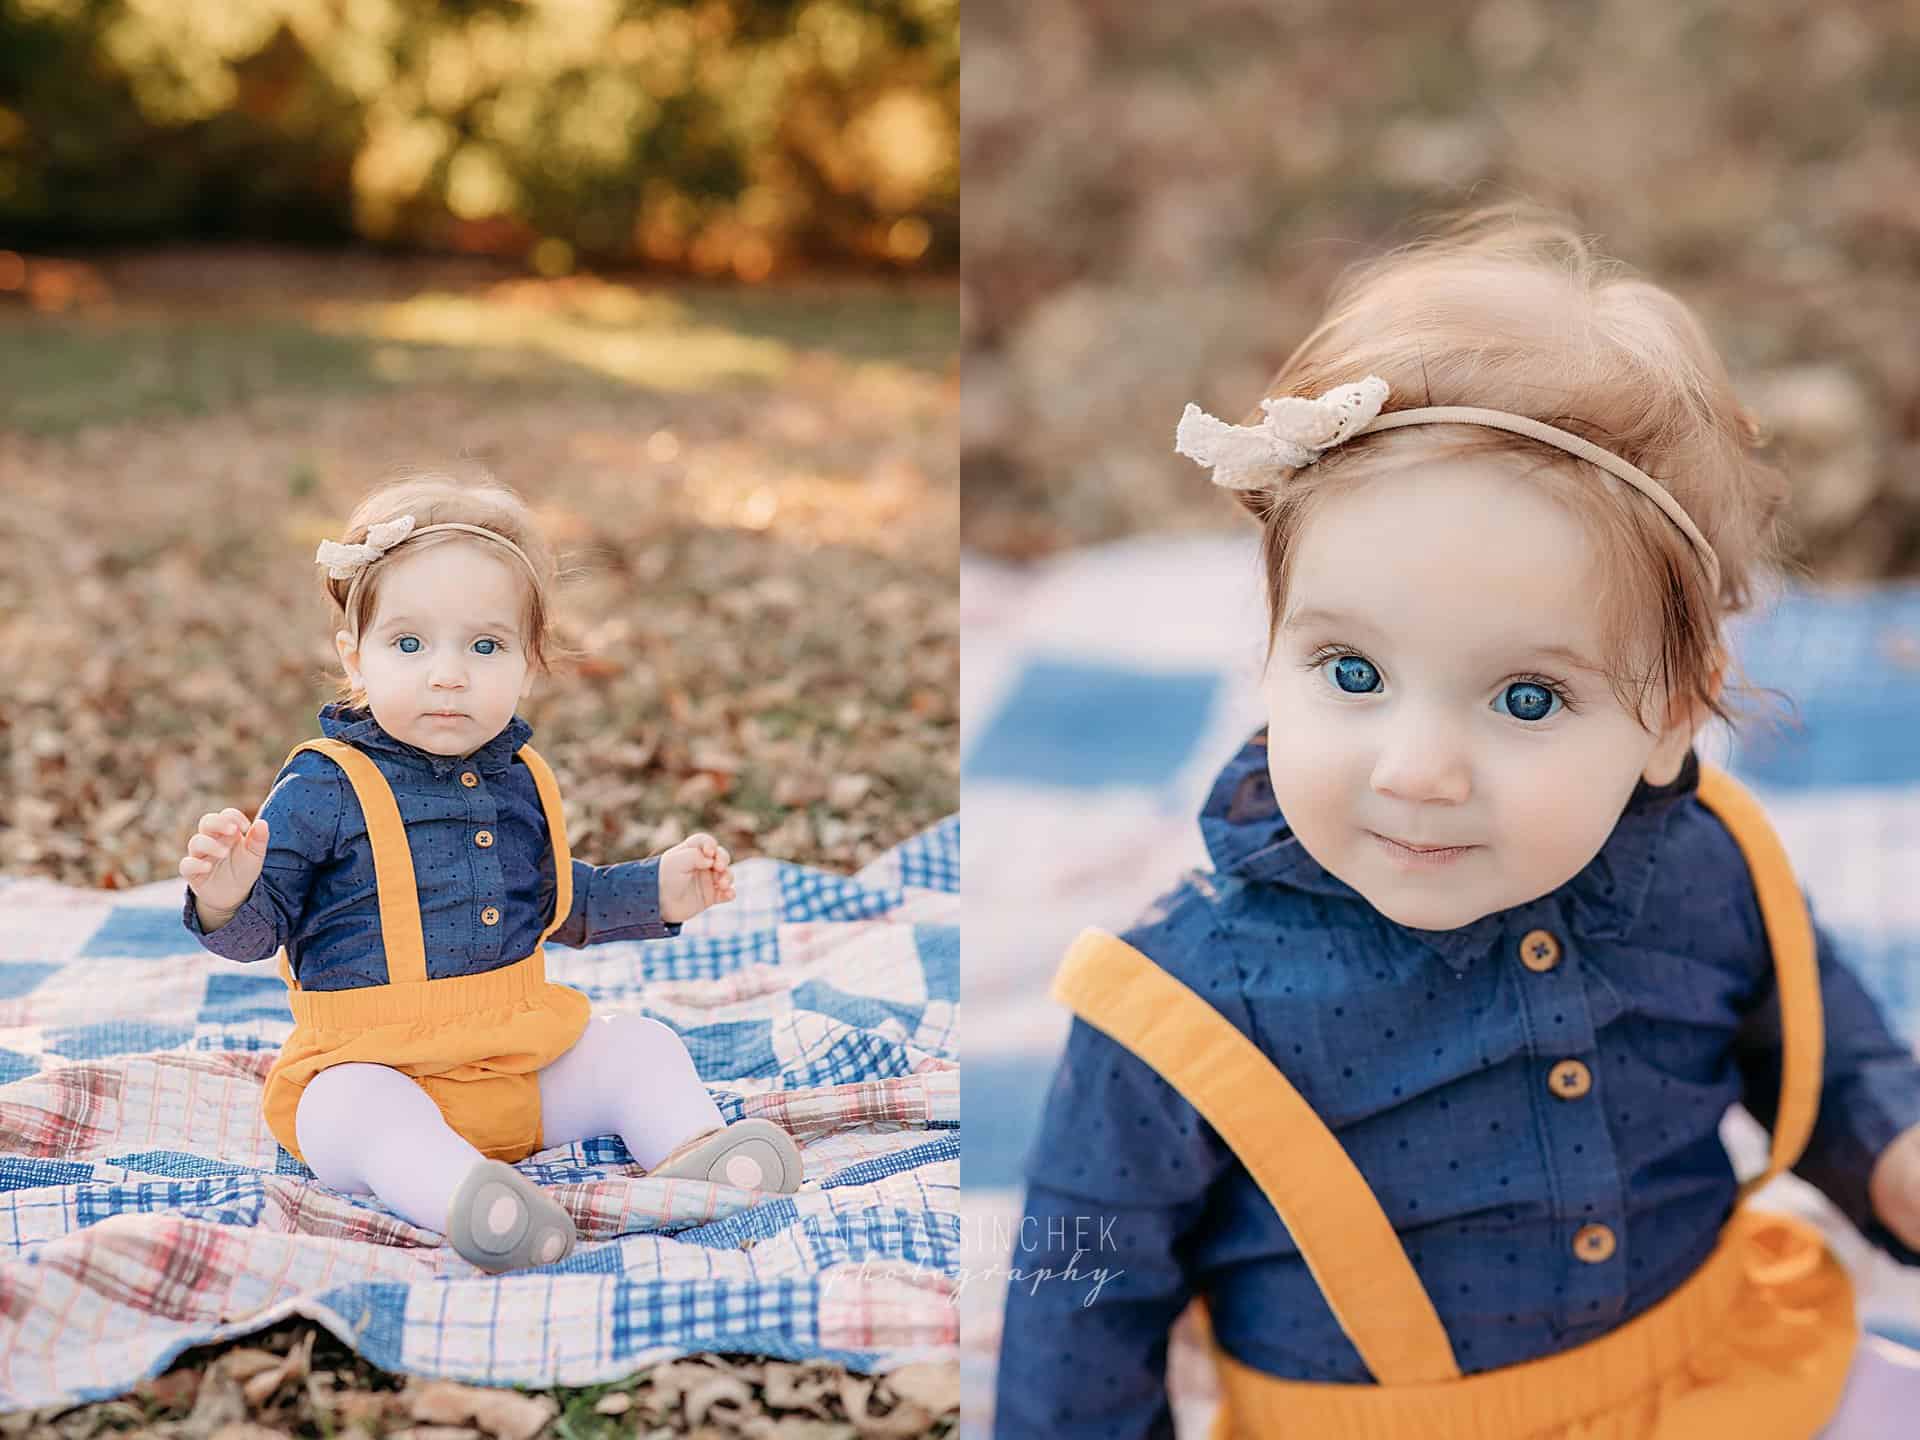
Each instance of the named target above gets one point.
<point>1593,1243</point>
<point>1539,950</point>
<point>484,839</point>
<point>489,916</point>
<point>469,779</point>
<point>1570,1080</point>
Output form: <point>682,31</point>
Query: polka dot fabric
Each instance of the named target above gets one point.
<point>482,861</point>
<point>1429,1054</point>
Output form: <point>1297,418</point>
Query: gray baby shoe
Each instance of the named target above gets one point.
<point>500,1220</point>
<point>754,1154</point>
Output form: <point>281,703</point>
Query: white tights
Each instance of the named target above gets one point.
<point>627,1075</point>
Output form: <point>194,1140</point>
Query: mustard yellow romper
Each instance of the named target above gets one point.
<point>474,1043</point>
<point>1756,1345</point>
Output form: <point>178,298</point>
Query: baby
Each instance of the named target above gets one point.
<point>1418,1091</point>
<point>410,867</point>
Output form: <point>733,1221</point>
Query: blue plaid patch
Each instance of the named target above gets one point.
<point>18,980</point>
<point>146,932</point>
<point>710,1314</point>
<point>932,861</point>
<point>1071,723</point>
<point>814,895</point>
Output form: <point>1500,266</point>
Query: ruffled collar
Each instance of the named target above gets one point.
<point>1247,836</point>
<point>358,728</point>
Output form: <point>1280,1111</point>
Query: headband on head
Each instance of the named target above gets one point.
<point>1294,431</point>
<point>351,562</point>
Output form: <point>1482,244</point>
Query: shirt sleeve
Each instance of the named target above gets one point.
<point>1119,1177</point>
<point>302,812</point>
<point>1869,1089</point>
<point>614,902</point>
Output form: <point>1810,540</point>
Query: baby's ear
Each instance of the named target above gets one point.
<point>349,654</point>
<point>1684,719</point>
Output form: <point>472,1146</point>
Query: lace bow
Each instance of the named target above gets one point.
<point>1293,432</point>
<point>343,562</point>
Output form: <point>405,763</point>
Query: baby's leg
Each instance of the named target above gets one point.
<point>370,1128</point>
<point>627,1075</point>
<point>1882,1394</point>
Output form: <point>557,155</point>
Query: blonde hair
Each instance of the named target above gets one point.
<point>433,498</point>
<point>1509,308</point>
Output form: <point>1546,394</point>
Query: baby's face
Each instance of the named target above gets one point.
<point>1417,694</point>
<point>445,637</point>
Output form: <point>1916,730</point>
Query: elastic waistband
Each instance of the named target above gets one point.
<point>444,999</point>
<point>1537,1396</point>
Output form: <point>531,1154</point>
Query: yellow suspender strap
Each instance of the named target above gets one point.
<point>1796,966</point>
<point>557,834</point>
<point>400,934</point>
<point>1343,1234</point>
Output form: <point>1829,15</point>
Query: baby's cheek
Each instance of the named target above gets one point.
<point>1312,775</point>
<point>1553,828</point>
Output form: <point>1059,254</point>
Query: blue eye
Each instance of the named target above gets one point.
<point>493,645</point>
<point>409,644</point>
<point>1355,675</point>
<point>1527,701</point>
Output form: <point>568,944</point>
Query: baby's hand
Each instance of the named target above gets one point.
<point>223,859</point>
<point>693,875</point>
<point>1895,1186</point>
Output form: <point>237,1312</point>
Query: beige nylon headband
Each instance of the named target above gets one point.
<point>351,562</point>
<point>1295,431</point>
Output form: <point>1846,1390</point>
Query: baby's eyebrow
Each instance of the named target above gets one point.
<point>1315,615</point>
<point>399,620</point>
<point>1570,656</point>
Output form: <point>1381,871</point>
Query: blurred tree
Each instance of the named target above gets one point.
<point>719,135</point>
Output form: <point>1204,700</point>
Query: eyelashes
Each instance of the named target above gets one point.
<point>400,643</point>
<point>1367,679</point>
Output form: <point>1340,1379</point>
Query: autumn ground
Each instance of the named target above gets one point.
<point>758,489</point>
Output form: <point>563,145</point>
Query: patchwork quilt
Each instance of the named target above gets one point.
<point>1103,690</point>
<point>145,1208</point>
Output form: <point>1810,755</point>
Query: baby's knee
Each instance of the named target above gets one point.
<point>643,1032</point>
<point>642,1040</point>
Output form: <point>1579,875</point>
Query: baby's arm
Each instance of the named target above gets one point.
<point>1869,1095</point>
<point>634,900</point>
<point>1084,1348</point>
<point>1121,1170</point>
<point>614,902</point>
<point>300,819</point>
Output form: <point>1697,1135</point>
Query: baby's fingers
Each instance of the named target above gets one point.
<point>228,824</point>
<point>193,868</point>
<point>205,847</point>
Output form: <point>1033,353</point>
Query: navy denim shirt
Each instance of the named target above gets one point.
<point>316,893</point>
<point>1427,1053</point>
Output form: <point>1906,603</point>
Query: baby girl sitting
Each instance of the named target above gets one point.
<point>410,866</point>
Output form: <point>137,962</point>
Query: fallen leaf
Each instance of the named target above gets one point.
<point>848,791</point>
<point>294,1365</point>
<point>720,1389</point>
<point>508,1414</point>
<point>933,1385</point>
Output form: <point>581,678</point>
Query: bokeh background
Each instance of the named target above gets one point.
<point>1157,201</point>
<point>682,274</point>
<point>729,136</point>
<point>1159,197</point>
